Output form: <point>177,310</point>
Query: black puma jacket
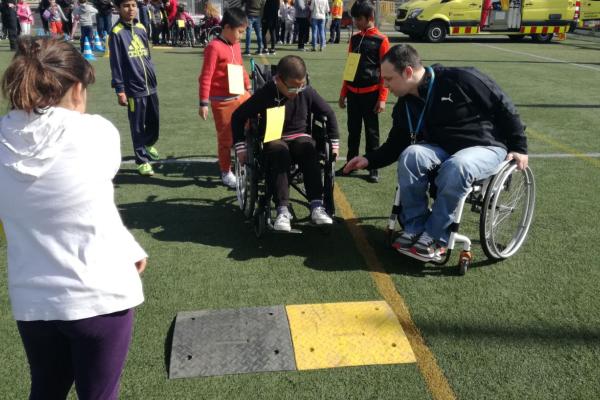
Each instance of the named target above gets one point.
<point>466,108</point>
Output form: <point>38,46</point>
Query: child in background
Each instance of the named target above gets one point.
<point>212,16</point>
<point>188,23</point>
<point>214,85</point>
<point>337,11</point>
<point>85,13</point>
<point>288,14</point>
<point>365,93</point>
<point>182,14</point>
<point>134,80</point>
<point>55,17</point>
<point>25,17</point>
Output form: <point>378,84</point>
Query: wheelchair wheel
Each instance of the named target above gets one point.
<point>507,212</point>
<point>260,222</point>
<point>214,32</point>
<point>247,186</point>
<point>328,186</point>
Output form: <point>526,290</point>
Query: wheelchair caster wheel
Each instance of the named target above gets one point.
<point>389,237</point>
<point>464,262</point>
<point>260,224</point>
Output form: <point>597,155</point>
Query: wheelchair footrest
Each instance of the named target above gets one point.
<point>437,259</point>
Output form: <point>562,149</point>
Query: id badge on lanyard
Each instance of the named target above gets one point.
<point>275,119</point>
<point>351,66</point>
<point>235,78</point>
<point>414,132</point>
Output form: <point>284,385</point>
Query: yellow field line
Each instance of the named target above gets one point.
<point>563,147</point>
<point>434,377</point>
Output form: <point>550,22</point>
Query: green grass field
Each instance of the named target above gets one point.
<point>524,328</point>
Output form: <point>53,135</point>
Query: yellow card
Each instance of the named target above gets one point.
<point>275,118</point>
<point>235,76</point>
<point>181,23</point>
<point>351,66</point>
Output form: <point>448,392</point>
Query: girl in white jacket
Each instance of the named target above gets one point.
<point>73,268</point>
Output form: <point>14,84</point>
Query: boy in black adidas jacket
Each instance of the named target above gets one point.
<point>134,80</point>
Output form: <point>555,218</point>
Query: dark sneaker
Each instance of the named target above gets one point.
<point>152,153</point>
<point>272,52</point>
<point>427,250</point>
<point>373,176</point>
<point>247,53</point>
<point>405,241</point>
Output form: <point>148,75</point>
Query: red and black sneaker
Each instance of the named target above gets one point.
<point>405,241</point>
<point>427,249</point>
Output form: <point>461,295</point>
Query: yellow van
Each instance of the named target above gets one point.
<point>588,16</point>
<point>433,20</point>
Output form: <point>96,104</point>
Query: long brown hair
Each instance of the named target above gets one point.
<point>41,73</point>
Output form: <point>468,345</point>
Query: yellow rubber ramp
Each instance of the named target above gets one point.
<point>347,334</point>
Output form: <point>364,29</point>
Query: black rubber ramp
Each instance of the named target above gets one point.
<point>220,342</point>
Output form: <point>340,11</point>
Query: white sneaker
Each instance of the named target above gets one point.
<point>319,216</point>
<point>228,179</point>
<point>282,222</point>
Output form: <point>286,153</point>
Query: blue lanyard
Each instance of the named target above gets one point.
<point>414,133</point>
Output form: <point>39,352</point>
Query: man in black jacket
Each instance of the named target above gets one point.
<point>453,120</point>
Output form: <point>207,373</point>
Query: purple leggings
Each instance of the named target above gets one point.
<point>89,351</point>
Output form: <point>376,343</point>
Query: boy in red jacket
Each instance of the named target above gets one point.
<point>222,57</point>
<point>365,95</point>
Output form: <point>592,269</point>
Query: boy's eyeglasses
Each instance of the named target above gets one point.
<point>295,90</point>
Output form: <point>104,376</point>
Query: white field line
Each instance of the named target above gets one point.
<point>540,57</point>
<point>203,160</point>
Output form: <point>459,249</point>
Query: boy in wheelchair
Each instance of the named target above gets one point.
<point>456,121</point>
<point>289,89</point>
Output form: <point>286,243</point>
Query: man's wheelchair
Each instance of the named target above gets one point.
<point>254,192</point>
<point>505,202</point>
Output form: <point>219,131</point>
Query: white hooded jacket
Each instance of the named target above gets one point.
<point>69,255</point>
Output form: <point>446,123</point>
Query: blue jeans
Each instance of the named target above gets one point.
<point>103,24</point>
<point>254,23</point>
<point>318,32</point>
<point>455,176</point>
<point>87,32</point>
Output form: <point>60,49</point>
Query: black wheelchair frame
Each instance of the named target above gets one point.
<point>255,196</point>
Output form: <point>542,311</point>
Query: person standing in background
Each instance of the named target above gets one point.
<point>25,17</point>
<point>85,13</point>
<point>269,23</point>
<point>302,13</point>
<point>104,16</point>
<point>337,11</point>
<point>254,9</point>
<point>10,21</point>
<point>318,13</point>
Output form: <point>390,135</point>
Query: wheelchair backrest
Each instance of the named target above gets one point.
<point>263,73</point>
